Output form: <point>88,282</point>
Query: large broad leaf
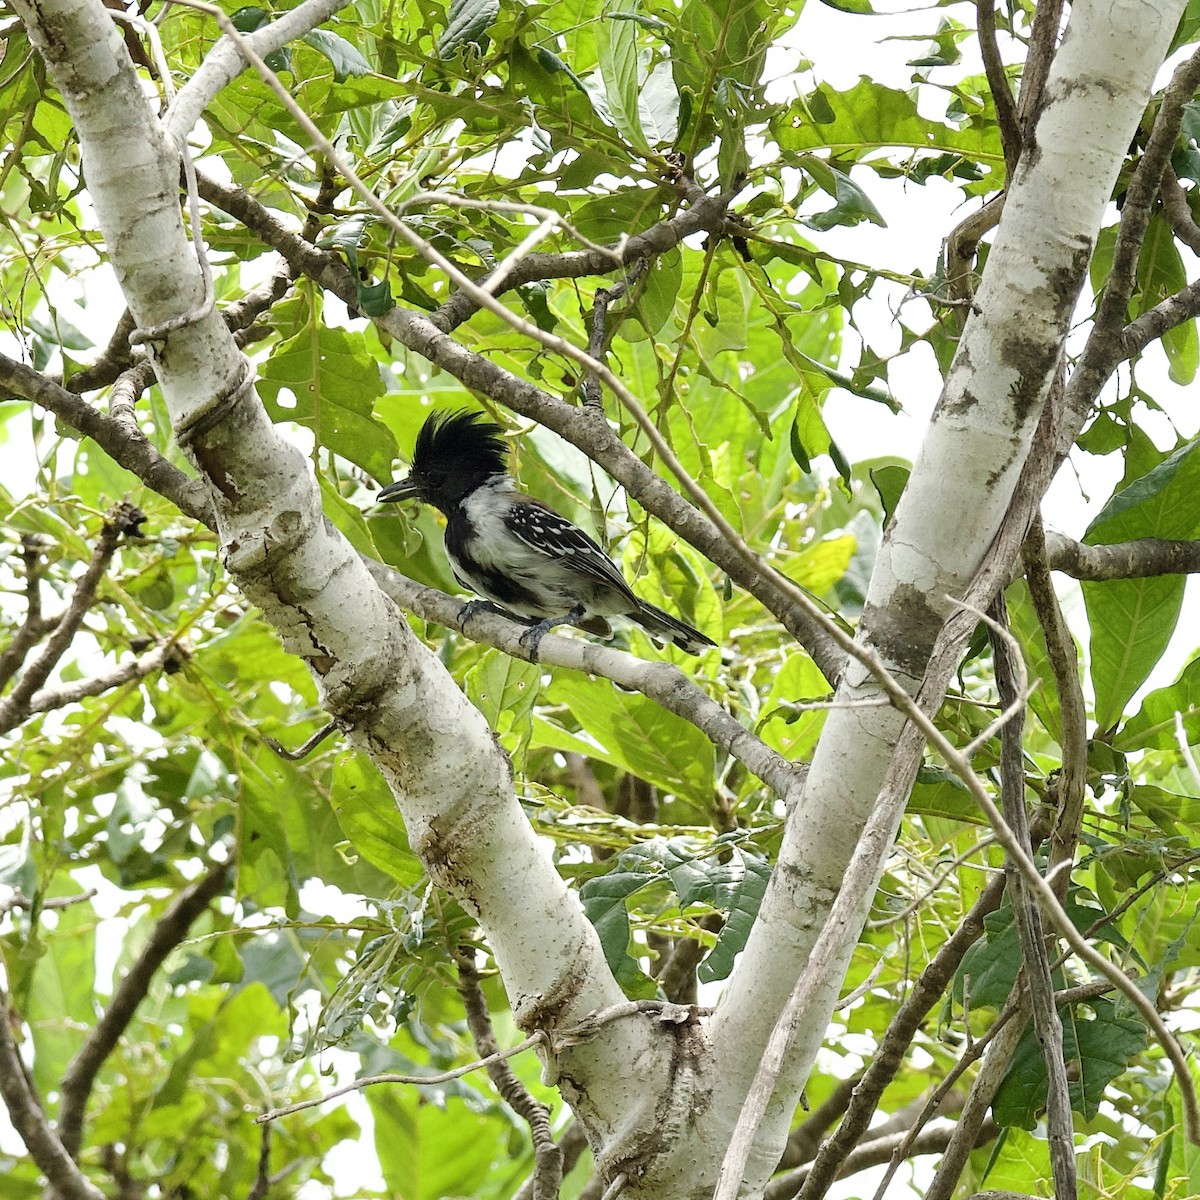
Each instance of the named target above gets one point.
<point>345,58</point>
<point>605,902</point>
<point>469,21</point>
<point>59,1000</point>
<point>737,888</point>
<point>1132,620</point>
<point>1161,273</point>
<point>1153,726</point>
<point>723,41</point>
<point>366,810</point>
<point>617,43</point>
<point>633,733</point>
<point>1096,1049</point>
<point>867,117</point>
<point>333,383</point>
<point>505,690</point>
<point>723,876</point>
<point>988,971</point>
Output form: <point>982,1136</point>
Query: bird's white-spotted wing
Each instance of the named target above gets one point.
<point>543,530</point>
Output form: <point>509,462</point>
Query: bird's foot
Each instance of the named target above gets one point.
<point>474,607</point>
<point>532,637</point>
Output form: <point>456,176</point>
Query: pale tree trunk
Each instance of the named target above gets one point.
<point>452,782</point>
<point>961,486</point>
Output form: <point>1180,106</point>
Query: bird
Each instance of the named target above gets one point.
<point>525,560</point>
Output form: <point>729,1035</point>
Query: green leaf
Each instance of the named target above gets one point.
<point>505,690</point>
<point>18,868</point>
<point>889,482</point>
<point>366,810</point>
<point>725,877</point>
<point>632,733</point>
<point>616,43</point>
<point>1153,726</point>
<point>1132,620</point>
<point>250,18</point>
<point>60,1006</point>
<point>1161,273</point>
<point>819,565</point>
<point>853,205</point>
<point>868,117</point>
<point>345,58</point>
<point>656,297</point>
<point>1096,1050</point>
<point>733,157</point>
<point>940,793</point>
<point>333,383</point>
<point>988,970</point>
<point>469,21</point>
<point>658,106</point>
<point>604,901</point>
<point>735,888</point>
<point>1161,503</point>
<point>397,1143</point>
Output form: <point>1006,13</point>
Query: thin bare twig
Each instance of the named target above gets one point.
<point>169,655</point>
<point>273,1114</point>
<point>548,1173</point>
<point>1010,684</point>
<point>262,1180</point>
<point>1105,347</point>
<point>29,1120</point>
<point>1064,663</point>
<point>934,883</point>
<point>889,1054</point>
<point>35,626</point>
<point>616,1187</point>
<point>15,707</point>
<point>170,930</point>
<point>307,746</point>
<point>960,249</point>
<point>598,338</point>
<point>572,1144</point>
<point>1177,210</point>
<point>20,900</point>
<point>804,1142</point>
<point>1043,39</point>
<point>993,66</point>
<point>877,1150</point>
<point>583,1031</point>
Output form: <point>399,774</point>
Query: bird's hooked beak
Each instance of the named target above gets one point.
<point>402,489</point>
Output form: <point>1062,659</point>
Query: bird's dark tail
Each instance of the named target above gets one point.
<point>663,626</point>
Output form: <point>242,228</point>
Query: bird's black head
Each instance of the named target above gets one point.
<point>454,453</point>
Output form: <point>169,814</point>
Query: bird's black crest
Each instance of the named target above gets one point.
<point>464,439</point>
